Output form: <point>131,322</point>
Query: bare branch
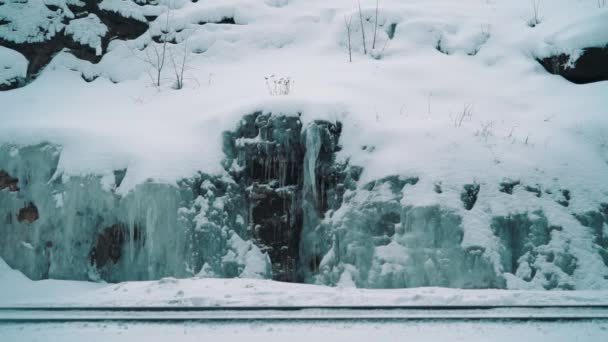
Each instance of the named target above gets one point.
<point>375,26</point>
<point>362,28</point>
<point>347,24</point>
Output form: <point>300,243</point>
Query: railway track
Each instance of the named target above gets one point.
<point>310,314</point>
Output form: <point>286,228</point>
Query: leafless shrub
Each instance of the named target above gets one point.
<point>485,31</point>
<point>279,86</point>
<point>535,20</point>
<point>348,26</point>
<point>464,115</point>
<point>484,36</point>
<point>155,54</point>
<point>180,62</point>
<point>486,130</point>
<point>375,27</point>
<point>362,28</point>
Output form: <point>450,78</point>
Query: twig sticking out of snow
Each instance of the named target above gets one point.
<point>279,86</point>
<point>465,114</point>
<point>180,65</point>
<point>347,24</point>
<point>486,130</point>
<point>375,27</point>
<point>362,28</point>
<point>157,57</point>
<point>536,11</point>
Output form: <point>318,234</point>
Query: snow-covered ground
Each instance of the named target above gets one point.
<point>472,332</point>
<point>17,290</point>
<point>416,332</point>
<point>523,123</point>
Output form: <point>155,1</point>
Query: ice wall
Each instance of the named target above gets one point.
<point>288,208</point>
<point>84,230</point>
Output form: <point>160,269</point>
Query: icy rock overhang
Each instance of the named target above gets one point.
<point>291,208</point>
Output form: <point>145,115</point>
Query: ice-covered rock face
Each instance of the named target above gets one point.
<point>289,209</point>
<point>78,228</point>
<point>289,178</point>
<point>377,242</point>
<point>597,221</point>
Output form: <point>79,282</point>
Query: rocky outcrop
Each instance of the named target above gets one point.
<point>107,25</point>
<point>289,181</point>
<point>287,207</point>
<point>597,221</point>
<point>375,241</point>
<point>589,67</point>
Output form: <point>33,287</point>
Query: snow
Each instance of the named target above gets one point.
<point>29,21</point>
<point>126,8</point>
<point>585,32</point>
<point>12,65</point>
<point>407,99</point>
<point>17,290</point>
<point>87,31</point>
<point>404,104</point>
<point>340,332</point>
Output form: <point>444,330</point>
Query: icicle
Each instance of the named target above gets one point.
<point>313,147</point>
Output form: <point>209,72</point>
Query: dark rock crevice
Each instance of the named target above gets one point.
<point>29,213</point>
<point>469,195</point>
<point>290,178</point>
<point>8,182</point>
<point>109,244</point>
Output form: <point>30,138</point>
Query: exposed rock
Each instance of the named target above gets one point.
<point>224,20</point>
<point>533,189</point>
<point>519,235</point>
<point>290,180</point>
<point>108,246</point>
<point>119,176</point>
<point>8,182</point>
<point>217,209</point>
<point>437,188</point>
<point>29,213</point>
<point>40,54</point>
<point>597,220</point>
<point>565,198</point>
<point>508,185</point>
<point>395,182</point>
<point>591,66</point>
<point>524,238</point>
<point>469,195</point>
